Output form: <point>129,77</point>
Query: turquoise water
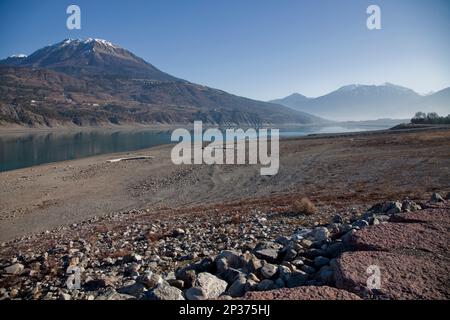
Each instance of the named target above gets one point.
<point>26,150</point>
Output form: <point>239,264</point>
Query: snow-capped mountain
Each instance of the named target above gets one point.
<point>366,102</point>
<point>95,57</point>
<point>96,82</point>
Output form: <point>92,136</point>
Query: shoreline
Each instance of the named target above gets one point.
<point>165,145</point>
<point>17,129</point>
<point>71,191</point>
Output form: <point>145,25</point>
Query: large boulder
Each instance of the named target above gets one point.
<point>212,286</point>
<point>303,293</point>
<point>165,292</point>
<point>401,276</point>
<point>410,253</point>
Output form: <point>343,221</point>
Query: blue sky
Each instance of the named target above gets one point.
<point>261,49</point>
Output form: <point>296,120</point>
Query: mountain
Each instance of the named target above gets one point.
<point>91,57</point>
<point>440,99</point>
<point>292,101</point>
<point>365,102</point>
<point>94,82</point>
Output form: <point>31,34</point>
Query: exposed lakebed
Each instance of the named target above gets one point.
<point>30,149</point>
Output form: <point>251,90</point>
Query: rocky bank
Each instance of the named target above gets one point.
<point>252,256</point>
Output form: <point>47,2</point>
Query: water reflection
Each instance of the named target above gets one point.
<point>25,150</point>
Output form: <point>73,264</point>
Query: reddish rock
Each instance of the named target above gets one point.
<point>402,276</point>
<point>403,236</point>
<point>411,251</point>
<point>433,216</point>
<point>303,293</point>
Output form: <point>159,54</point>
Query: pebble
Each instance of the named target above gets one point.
<point>15,269</point>
<point>269,270</point>
<point>321,261</point>
<point>321,234</point>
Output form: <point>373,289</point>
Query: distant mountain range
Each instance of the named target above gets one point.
<point>365,102</point>
<point>94,82</point>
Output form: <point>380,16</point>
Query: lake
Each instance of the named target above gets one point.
<point>26,150</point>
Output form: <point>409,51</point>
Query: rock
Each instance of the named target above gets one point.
<point>212,285</point>
<point>297,279</point>
<point>392,207</point>
<point>436,197</point>
<point>289,254</point>
<point>402,277</point>
<point>298,263</point>
<point>308,269</point>
<point>264,285</point>
<point>178,233</point>
<point>410,206</point>
<point>335,249</point>
<point>335,228</point>
<point>337,219</point>
<point>270,255</point>
<point>279,283</point>
<point>221,265</point>
<point>195,293</point>
<point>267,245</point>
<point>253,265</point>
<point>231,274</point>
<point>306,243</point>
<point>74,261</point>
<point>150,280</point>
<point>164,292</point>
<point>232,258</point>
<point>135,290</point>
<point>282,240</point>
<point>321,234</point>
<point>111,294</point>
<point>251,285</point>
<point>326,275</point>
<point>303,293</point>
<point>64,296</point>
<point>312,253</point>
<point>302,233</point>
<point>361,223</point>
<point>268,270</point>
<point>15,269</point>
<point>237,289</point>
<point>416,234</point>
<point>347,238</point>
<point>94,284</point>
<point>176,283</point>
<point>132,257</point>
<point>284,272</point>
<point>320,261</point>
<point>188,276</point>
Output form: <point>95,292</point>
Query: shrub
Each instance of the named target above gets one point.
<point>304,206</point>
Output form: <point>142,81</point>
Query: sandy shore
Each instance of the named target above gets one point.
<point>332,170</point>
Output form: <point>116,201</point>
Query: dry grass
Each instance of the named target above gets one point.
<point>236,219</point>
<point>304,206</point>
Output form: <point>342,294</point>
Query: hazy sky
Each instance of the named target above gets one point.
<point>260,49</point>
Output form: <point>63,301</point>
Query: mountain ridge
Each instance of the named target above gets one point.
<point>367,102</point>
<point>95,82</point>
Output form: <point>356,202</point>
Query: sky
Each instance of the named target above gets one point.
<point>261,49</point>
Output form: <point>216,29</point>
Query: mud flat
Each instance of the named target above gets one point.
<point>333,171</point>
